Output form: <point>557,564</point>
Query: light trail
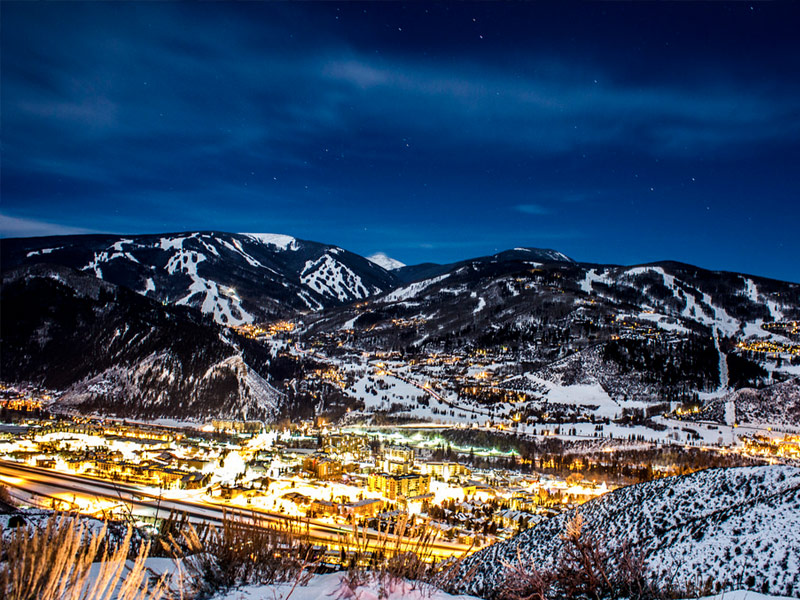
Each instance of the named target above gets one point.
<point>143,503</point>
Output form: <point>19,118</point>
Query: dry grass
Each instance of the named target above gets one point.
<point>239,552</point>
<point>64,560</point>
<point>401,553</point>
<point>54,563</point>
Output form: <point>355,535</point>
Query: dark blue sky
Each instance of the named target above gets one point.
<point>613,132</point>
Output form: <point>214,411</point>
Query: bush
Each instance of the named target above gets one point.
<point>239,552</point>
<point>585,570</point>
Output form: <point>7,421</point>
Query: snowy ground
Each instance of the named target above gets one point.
<point>744,595</point>
<point>334,586</point>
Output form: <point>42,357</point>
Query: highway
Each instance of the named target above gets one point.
<point>143,503</point>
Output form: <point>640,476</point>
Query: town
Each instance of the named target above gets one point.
<point>369,477</point>
<point>350,477</point>
<point>464,443</point>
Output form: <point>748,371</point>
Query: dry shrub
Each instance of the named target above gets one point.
<point>54,562</point>
<point>583,571</point>
<point>400,553</point>
<point>529,583</point>
<point>239,552</point>
<point>586,569</point>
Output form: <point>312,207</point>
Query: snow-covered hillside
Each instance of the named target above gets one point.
<point>112,351</point>
<point>562,340</point>
<point>775,405</point>
<point>655,333</point>
<point>739,527</point>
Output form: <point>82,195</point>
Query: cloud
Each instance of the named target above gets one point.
<point>532,209</point>
<point>182,117</point>
<point>135,95</point>
<point>19,227</point>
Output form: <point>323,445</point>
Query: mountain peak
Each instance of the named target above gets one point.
<point>535,254</point>
<point>388,263</point>
<point>279,240</point>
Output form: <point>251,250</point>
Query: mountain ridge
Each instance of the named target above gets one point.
<point>623,338</point>
<point>239,278</point>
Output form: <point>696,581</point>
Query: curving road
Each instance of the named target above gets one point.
<point>143,503</point>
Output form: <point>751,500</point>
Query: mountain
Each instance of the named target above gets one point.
<point>422,271</point>
<point>236,277</point>
<point>662,331</point>
<point>737,528</point>
<point>386,262</point>
<point>556,340</point>
<point>116,352</point>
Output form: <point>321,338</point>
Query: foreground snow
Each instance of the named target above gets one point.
<point>727,525</point>
<point>334,586</point>
<point>744,595</point>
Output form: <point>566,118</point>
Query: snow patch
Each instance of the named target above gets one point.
<point>42,251</point>
<point>149,286</point>
<point>334,585</point>
<point>224,305</point>
<point>171,243</point>
<point>592,276</point>
<point>411,290</point>
<point>280,241</point>
<point>236,247</point>
<point>386,262</point>
<point>327,276</point>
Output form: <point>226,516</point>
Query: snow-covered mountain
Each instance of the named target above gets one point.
<point>386,262</point>
<point>664,331</point>
<point>736,527</point>
<point>113,351</point>
<point>614,337</point>
<point>235,277</point>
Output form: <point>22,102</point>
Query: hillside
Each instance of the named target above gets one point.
<point>116,352</point>
<point>527,335</point>
<point>775,404</point>
<point>657,332</point>
<point>739,527</point>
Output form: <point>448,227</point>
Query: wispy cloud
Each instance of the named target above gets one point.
<point>169,116</point>
<point>567,108</point>
<point>532,209</point>
<point>20,227</point>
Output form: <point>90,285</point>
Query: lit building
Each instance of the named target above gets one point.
<point>443,470</point>
<point>369,507</point>
<point>394,486</point>
<point>397,459</point>
<point>322,467</point>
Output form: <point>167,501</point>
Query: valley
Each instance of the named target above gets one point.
<point>470,403</point>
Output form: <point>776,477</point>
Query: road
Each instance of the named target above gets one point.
<point>144,503</point>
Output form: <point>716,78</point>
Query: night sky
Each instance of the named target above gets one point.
<point>614,132</point>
